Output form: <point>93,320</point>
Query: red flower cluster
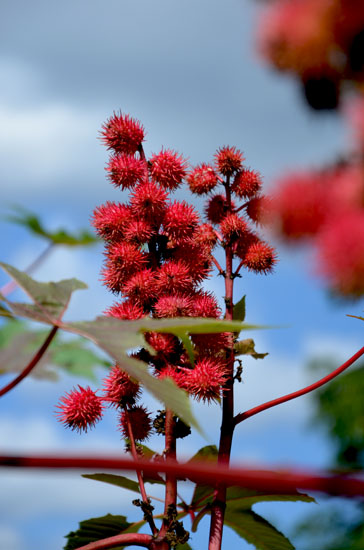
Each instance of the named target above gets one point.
<point>157,254</point>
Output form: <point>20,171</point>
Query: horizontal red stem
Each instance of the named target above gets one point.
<point>263,480</point>
<point>260,408</point>
<point>126,539</point>
<point>33,363</point>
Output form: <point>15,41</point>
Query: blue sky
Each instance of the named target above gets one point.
<point>190,73</point>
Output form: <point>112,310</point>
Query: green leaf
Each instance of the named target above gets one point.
<point>243,499</point>
<point>32,222</point>
<point>119,481</point>
<point>256,530</point>
<point>204,493</point>
<point>239,310</point>
<point>117,338</point>
<point>184,546</point>
<point>75,358</point>
<point>50,299</point>
<point>208,453</point>
<point>94,529</point>
<point>240,498</point>
<point>18,344</point>
<point>247,347</point>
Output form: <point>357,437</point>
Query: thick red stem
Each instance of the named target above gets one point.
<point>260,408</point>
<point>126,539</point>
<point>171,481</point>
<point>268,481</point>
<point>227,425</point>
<point>35,360</point>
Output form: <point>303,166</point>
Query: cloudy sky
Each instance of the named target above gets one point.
<point>189,71</point>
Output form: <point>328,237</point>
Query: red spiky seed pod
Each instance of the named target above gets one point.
<point>122,133</point>
<point>205,235</point>
<point>216,209</point>
<point>299,207</point>
<point>180,221</point>
<point>122,261</point>
<point>341,253</point>
<point>173,276</point>
<point>196,257</point>
<point>247,183</point>
<point>205,305</point>
<point>119,388</point>
<point>206,379</point>
<point>138,231</point>
<point>258,209</point>
<point>260,257</point>
<point>162,343</point>
<point>140,421</point>
<point>127,310</point>
<point>149,201</point>
<point>126,257</point>
<point>168,168</point>
<point>228,160</point>
<point>202,179</point>
<point>141,288</point>
<point>233,228</point>
<point>169,371</point>
<point>110,220</point>
<point>126,171</point>
<point>176,305</point>
<point>80,409</point>
<point>213,344</point>
<point>244,242</point>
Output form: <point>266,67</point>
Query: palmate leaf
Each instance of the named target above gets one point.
<point>50,299</point>
<point>256,530</point>
<point>32,223</point>
<point>94,529</point>
<point>118,337</point>
<point>18,344</point>
<point>112,479</point>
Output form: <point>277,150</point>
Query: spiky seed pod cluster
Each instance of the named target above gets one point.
<point>233,224</point>
<point>157,254</point>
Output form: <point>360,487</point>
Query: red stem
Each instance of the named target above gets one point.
<point>138,471</point>
<point>126,539</point>
<point>260,408</point>
<point>227,424</point>
<point>34,361</point>
<point>171,481</point>
<point>218,266</point>
<point>239,267</point>
<point>269,481</point>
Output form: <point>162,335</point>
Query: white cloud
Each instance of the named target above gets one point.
<point>46,144</point>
